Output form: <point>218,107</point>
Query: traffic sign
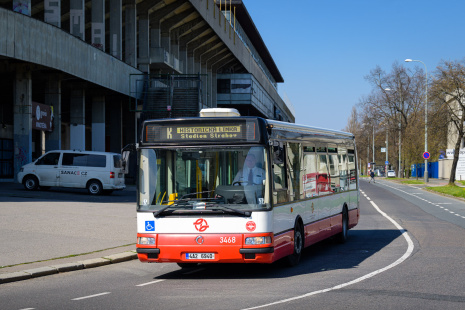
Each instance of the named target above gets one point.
<point>426,155</point>
<point>386,162</point>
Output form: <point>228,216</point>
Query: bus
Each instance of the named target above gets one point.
<point>241,189</point>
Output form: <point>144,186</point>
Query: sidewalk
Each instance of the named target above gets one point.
<point>47,232</point>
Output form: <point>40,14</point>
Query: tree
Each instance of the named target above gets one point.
<point>396,101</point>
<point>448,91</point>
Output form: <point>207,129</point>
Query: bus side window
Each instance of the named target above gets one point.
<point>279,174</point>
<point>294,155</point>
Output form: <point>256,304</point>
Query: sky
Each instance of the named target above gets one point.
<point>325,48</point>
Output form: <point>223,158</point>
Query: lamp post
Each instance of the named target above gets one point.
<point>426,115</point>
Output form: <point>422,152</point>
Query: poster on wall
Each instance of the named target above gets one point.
<point>42,116</point>
<point>460,170</point>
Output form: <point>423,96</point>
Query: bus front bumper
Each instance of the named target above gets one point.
<point>173,249</point>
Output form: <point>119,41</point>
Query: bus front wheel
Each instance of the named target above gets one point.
<point>294,258</point>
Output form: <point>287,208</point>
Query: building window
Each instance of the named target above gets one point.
<point>224,86</point>
<point>241,86</point>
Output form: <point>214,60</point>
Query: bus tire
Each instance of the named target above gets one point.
<point>294,258</point>
<point>344,234</point>
<point>94,187</point>
<point>31,183</point>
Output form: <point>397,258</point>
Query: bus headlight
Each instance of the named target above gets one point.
<point>257,240</point>
<point>146,240</point>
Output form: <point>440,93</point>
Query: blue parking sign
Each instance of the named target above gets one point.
<point>149,225</point>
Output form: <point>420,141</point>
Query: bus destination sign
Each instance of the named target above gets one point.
<point>210,132</point>
<point>233,132</point>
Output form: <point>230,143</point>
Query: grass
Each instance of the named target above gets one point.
<point>451,190</point>
<point>412,182</point>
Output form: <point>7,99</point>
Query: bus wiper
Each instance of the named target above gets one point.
<point>190,194</point>
<point>245,213</point>
<point>156,213</point>
<point>174,204</point>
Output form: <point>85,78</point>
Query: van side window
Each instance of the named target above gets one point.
<point>96,161</point>
<point>117,161</point>
<point>49,159</point>
<point>84,160</point>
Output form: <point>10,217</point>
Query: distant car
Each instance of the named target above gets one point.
<point>99,172</point>
<point>391,174</point>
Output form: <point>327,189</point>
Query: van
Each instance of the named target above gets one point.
<point>99,172</point>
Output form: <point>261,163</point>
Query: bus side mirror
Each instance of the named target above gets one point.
<point>278,154</point>
<point>125,161</point>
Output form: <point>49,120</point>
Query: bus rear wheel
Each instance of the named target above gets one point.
<point>294,258</point>
<point>343,235</point>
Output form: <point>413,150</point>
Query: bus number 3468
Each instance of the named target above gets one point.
<point>227,239</point>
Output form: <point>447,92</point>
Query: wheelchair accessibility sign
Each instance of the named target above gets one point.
<point>149,225</point>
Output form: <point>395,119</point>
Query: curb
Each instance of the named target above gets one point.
<point>54,269</point>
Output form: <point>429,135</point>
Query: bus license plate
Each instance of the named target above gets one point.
<point>200,255</point>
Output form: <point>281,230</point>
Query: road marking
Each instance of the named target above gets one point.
<point>148,283</point>
<point>91,296</point>
<point>407,253</point>
<point>27,309</point>
<point>415,195</point>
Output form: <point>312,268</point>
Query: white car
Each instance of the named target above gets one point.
<point>391,174</point>
<point>97,171</point>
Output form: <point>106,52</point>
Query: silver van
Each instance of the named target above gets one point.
<point>99,172</point>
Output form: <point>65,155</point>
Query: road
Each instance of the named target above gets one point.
<point>407,252</point>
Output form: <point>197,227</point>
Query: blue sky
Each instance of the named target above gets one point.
<point>324,48</point>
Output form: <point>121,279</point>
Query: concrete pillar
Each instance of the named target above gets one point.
<point>116,30</point>
<point>77,18</point>
<point>98,123</point>
<point>165,41</point>
<point>116,125</point>
<point>98,24</point>
<point>131,33</point>
<point>144,47</point>
<point>155,40</point>
<point>22,118</point>
<point>77,119</point>
<point>52,12</point>
<point>53,99</point>
<point>214,92</point>
<point>22,6</point>
<point>183,59</point>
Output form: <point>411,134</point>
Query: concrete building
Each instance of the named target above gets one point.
<point>83,74</point>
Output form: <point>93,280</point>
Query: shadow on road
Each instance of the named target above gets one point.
<point>321,257</point>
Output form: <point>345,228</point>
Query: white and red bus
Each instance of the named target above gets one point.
<point>241,189</point>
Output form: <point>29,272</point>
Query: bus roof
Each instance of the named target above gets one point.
<point>243,129</point>
<point>308,129</point>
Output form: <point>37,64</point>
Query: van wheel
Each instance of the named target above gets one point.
<point>94,187</point>
<point>294,258</point>
<point>31,183</point>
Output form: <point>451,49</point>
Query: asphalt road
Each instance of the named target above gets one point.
<point>406,253</point>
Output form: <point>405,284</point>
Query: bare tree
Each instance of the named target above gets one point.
<point>448,91</point>
<point>396,100</point>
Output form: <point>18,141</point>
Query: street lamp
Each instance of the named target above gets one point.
<point>426,115</point>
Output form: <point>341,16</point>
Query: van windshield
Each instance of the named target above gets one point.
<point>203,178</point>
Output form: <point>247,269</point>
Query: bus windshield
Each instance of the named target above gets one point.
<point>203,178</point>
